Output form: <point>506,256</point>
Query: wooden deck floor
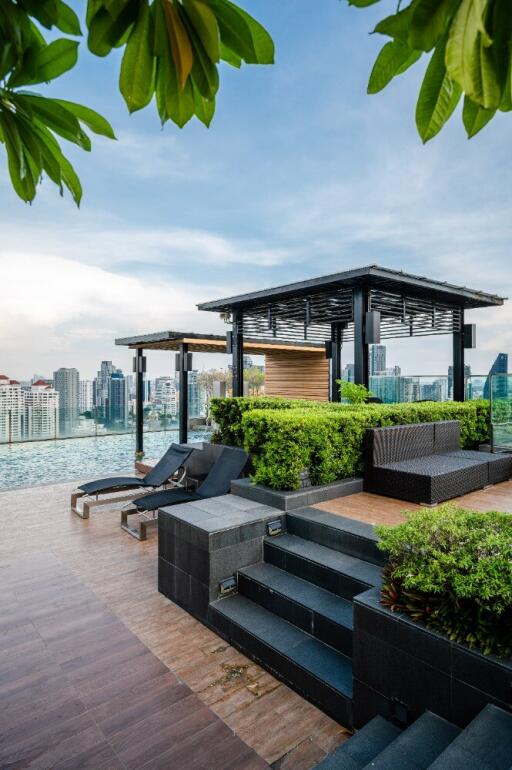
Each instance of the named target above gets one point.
<point>375,509</point>
<point>240,711</point>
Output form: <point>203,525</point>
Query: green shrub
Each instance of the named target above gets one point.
<point>452,570</point>
<point>354,394</point>
<point>328,441</point>
<point>227,413</point>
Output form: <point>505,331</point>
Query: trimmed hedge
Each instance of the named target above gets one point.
<point>228,412</point>
<point>451,569</point>
<point>286,437</point>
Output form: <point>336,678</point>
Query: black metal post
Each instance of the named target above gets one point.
<point>335,369</point>
<point>238,355</point>
<point>183,378</point>
<point>459,389</point>
<point>139,403</point>
<point>360,306</point>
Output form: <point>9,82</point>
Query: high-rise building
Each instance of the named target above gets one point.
<point>11,410</point>
<point>348,373</point>
<point>166,395</point>
<point>377,359</point>
<point>467,373</point>
<point>195,396</point>
<point>101,386</point>
<point>66,383</point>
<point>499,384</point>
<point>41,411</point>
<point>247,362</point>
<point>386,387</point>
<point>117,400</point>
<point>85,396</point>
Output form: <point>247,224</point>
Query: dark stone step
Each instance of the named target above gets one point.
<point>418,746</point>
<point>316,671</point>
<point>340,533</point>
<point>486,744</point>
<point>359,750</point>
<point>340,573</point>
<point>320,613</point>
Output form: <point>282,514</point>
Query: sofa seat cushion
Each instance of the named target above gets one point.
<point>500,464</point>
<point>434,465</point>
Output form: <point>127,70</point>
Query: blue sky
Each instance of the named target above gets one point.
<point>300,174</point>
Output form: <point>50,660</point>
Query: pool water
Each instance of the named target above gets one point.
<point>44,462</point>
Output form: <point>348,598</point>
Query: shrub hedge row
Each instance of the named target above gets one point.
<point>451,569</point>
<point>284,437</point>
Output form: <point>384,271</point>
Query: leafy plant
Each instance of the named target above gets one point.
<point>172,51</point>
<point>285,436</point>
<point>470,42</point>
<point>354,394</point>
<point>451,569</point>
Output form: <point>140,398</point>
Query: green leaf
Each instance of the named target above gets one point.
<point>394,58</point>
<point>362,3</point>
<point>429,22</point>
<point>204,108</point>
<point>469,59</point>
<point>90,118</point>
<point>136,80</point>
<point>56,118</point>
<point>475,117</point>
<point>173,103</point>
<point>205,25</point>
<point>243,34</point>
<point>438,97</point>
<point>67,20</point>
<point>19,171</point>
<point>397,25</point>
<point>50,62</point>
<point>229,56</point>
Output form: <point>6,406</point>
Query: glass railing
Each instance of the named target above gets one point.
<point>41,423</point>
<point>402,389</point>
<point>501,410</point>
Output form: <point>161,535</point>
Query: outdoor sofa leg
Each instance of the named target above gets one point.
<point>75,496</point>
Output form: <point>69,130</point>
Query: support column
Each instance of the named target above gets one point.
<point>139,368</point>
<point>181,358</point>
<point>335,369</point>
<point>238,355</point>
<point>360,307</point>
<point>459,389</point>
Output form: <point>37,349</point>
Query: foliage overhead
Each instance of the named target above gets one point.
<point>171,51</point>
<point>285,436</point>
<point>452,570</point>
<point>470,47</point>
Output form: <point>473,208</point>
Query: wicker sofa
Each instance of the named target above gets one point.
<point>424,463</point>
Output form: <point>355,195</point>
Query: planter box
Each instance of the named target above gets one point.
<point>401,668</point>
<point>297,498</point>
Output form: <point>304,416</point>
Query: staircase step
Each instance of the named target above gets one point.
<point>320,613</point>
<point>418,746</point>
<point>339,573</point>
<point>359,750</point>
<point>486,744</point>
<point>340,533</point>
<point>319,673</point>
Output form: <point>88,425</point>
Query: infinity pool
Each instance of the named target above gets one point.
<point>45,462</point>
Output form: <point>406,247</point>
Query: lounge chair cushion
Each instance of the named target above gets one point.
<point>103,485</point>
<point>165,497</point>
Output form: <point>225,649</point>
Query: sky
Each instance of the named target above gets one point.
<point>301,174</point>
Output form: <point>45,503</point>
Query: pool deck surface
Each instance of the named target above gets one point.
<point>98,670</point>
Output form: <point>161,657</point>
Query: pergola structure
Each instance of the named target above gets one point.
<point>364,305</point>
<point>295,369</point>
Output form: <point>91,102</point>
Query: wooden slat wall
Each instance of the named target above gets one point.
<point>297,375</point>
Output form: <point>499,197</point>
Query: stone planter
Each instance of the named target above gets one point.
<point>289,500</point>
<point>401,669</point>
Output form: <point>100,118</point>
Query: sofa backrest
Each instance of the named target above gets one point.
<point>399,442</point>
<point>446,436</point>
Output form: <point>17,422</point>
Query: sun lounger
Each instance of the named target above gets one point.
<point>163,472</point>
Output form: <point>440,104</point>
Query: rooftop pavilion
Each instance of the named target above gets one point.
<point>285,361</point>
<point>363,305</point>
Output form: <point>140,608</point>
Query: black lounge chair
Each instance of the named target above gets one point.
<point>228,467</point>
<point>168,465</point>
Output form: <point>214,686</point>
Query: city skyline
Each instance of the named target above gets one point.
<point>168,219</point>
